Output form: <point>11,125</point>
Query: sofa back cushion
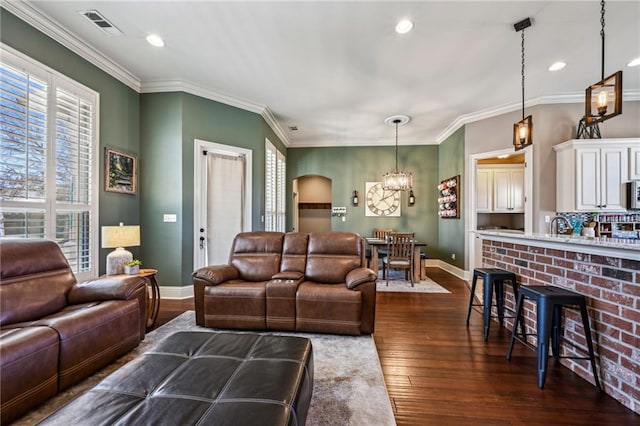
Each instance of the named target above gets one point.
<point>35,278</point>
<point>294,252</point>
<point>257,255</point>
<point>332,255</point>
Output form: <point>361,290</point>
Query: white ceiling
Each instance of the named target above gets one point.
<point>337,69</point>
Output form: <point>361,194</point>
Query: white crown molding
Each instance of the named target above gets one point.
<point>275,126</point>
<point>362,143</point>
<point>187,87</point>
<point>43,23</point>
<point>562,98</point>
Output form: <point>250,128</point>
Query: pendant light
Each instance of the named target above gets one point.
<point>397,180</point>
<point>603,100</point>
<point>523,129</point>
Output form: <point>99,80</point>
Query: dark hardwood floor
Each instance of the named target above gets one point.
<point>438,371</point>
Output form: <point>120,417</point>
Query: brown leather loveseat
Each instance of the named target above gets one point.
<point>54,331</point>
<point>315,282</point>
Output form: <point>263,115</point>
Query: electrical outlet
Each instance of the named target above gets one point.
<point>453,256</point>
<point>547,219</point>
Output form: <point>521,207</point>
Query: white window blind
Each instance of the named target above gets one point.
<point>47,172</point>
<point>275,189</point>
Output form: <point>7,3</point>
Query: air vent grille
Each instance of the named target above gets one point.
<point>293,128</point>
<point>101,22</point>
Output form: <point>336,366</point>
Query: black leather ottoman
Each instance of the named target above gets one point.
<point>205,378</point>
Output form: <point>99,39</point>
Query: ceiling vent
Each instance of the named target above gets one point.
<point>101,22</point>
<point>293,128</point>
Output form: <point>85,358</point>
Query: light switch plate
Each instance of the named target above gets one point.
<point>170,218</point>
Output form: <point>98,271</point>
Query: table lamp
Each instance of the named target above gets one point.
<point>119,237</point>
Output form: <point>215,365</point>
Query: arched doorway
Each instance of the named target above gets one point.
<point>312,203</point>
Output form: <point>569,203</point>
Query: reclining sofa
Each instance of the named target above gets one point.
<point>54,331</point>
<point>311,282</point>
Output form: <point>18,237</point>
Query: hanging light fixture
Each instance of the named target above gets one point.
<point>603,100</point>
<point>523,129</point>
<point>397,180</point>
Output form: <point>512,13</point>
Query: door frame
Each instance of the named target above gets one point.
<point>471,218</point>
<point>199,169</point>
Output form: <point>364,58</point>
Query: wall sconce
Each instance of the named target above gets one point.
<point>412,198</point>
<point>354,198</point>
<point>119,237</point>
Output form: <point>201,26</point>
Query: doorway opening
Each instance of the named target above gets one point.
<point>500,197</point>
<point>312,203</point>
<point>222,200</point>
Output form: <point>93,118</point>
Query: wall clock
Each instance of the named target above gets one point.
<point>380,202</point>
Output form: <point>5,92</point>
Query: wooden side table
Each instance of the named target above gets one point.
<point>153,294</point>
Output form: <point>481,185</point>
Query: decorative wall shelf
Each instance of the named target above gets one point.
<point>448,195</point>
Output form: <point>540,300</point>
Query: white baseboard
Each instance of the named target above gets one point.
<point>185,292</point>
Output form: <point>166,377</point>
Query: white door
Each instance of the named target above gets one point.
<point>222,201</point>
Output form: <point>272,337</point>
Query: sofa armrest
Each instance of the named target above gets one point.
<point>106,288</point>
<point>359,276</point>
<point>216,274</point>
<point>289,275</point>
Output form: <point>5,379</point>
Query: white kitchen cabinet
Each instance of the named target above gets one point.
<point>500,189</point>
<point>484,190</point>
<point>634,162</point>
<point>590,174</point>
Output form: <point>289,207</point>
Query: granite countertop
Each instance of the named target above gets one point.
<point>601,242</point>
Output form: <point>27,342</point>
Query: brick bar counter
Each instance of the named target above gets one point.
<point>607,272</point>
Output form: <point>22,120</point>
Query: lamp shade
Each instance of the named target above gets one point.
<point>120,236</point>
<point>603,100</point>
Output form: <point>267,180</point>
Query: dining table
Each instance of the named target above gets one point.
<point>376,243</point>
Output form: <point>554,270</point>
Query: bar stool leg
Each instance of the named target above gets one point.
<point>514,287</point>
<point>518,320</point>
<point>556,331</point>
<point>488,297</point>
<point>499,289</point>
<point>587,332</point>
<point>473,292</point>
<point>545,322</point>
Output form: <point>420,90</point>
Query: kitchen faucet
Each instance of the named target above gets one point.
<point>559,218</point>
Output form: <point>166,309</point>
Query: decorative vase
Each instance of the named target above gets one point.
<point>131,270</point>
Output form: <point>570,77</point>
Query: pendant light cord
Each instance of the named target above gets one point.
<point>602,33</point>
<point>397,121</point>
<point>523,73</point>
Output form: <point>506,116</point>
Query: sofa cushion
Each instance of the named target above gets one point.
<point>32,286</point>
<point>92,335</point>
<point>294,252</point>
<point>331,255</point>
<point>328,308</point>
<point>29,359</point>
<point>236,304</point>
<point>257,255</point>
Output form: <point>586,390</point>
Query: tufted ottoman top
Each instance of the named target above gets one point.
<point>206,378</point>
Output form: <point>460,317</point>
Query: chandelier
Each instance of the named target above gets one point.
<point>397,180</point>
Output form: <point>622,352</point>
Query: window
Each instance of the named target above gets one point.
<point>275,189</point>
<point>48,142</point>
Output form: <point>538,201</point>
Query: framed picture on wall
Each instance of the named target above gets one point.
<point>120,172</point>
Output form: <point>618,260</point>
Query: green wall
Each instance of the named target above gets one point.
<point>350,167</point>
<point>451,231</point>
<point>170,122</point>
<point>119,112</point>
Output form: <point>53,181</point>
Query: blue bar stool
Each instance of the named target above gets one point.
<point>550,300</point>
<point>493,279</point>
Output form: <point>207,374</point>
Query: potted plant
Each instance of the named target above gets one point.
<point>132,267</point>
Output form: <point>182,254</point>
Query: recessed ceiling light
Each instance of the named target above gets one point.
<point>557,66</point>
<point>404,26</point>
<point>634,63</point>
<point>155,40</point>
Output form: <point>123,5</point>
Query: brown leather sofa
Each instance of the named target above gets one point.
<point>316,282</point>
<point>55,331</point>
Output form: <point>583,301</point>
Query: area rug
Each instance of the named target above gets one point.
<point>348,385</point>
<point>397,284</point>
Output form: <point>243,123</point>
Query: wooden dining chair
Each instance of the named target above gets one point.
<point>381,233</point>
<point>400,247</point>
